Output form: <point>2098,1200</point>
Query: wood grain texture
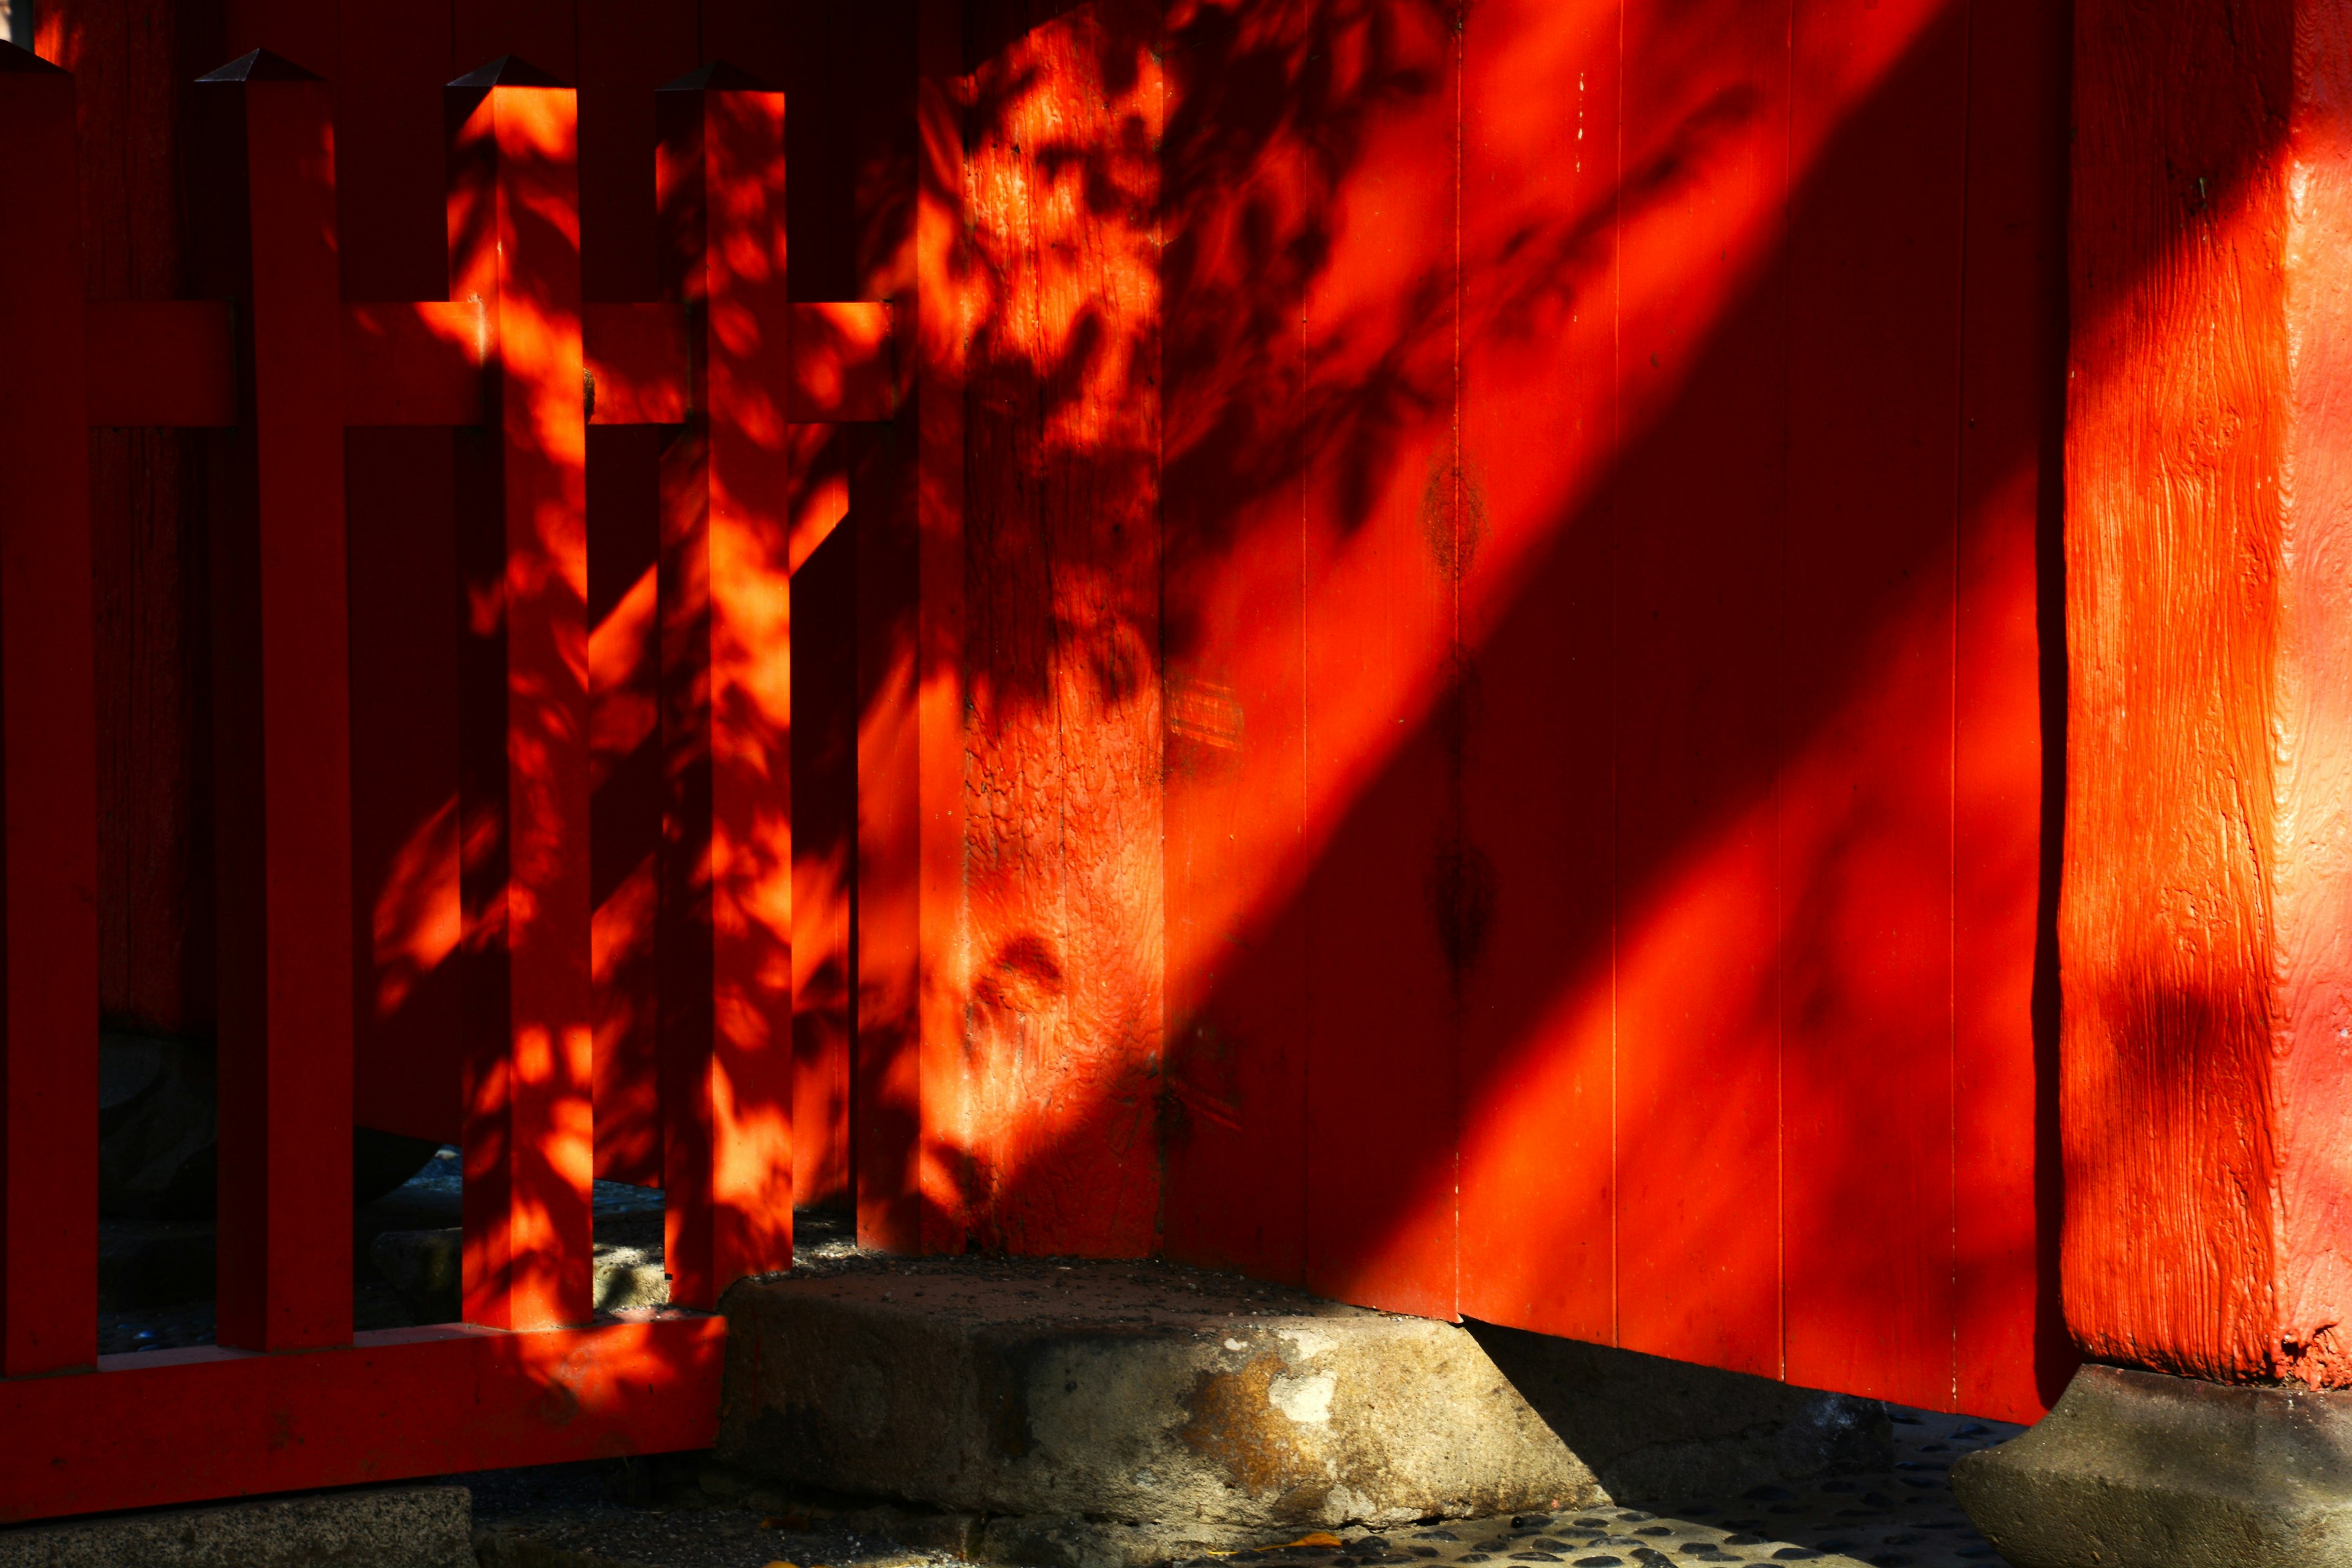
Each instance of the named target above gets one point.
<point>2203,927</point>
<point>131,64</point>
<point>1063,856</point>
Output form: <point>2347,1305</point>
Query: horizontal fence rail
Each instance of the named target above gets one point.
<point>517,366</point>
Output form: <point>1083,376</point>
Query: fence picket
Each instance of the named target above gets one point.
<point>48,812</point>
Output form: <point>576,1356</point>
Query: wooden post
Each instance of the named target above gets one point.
<point>724,920</point>
<point>2205,918</point>
<point>514,244</point>
<point>281,725</point>
<point>2205,948</point>
<point>48,816</point>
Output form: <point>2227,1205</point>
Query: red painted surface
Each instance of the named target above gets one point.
<point>393,1405</point>
<point>2205,949</point>
<point>523,825</point>
<point>160,361</point>
<point>1609,469</point>
<point>1447,695</point>
<point>724,879</point>
<point>48,816</point>
<point>281,723</point>
<point>908,507</point>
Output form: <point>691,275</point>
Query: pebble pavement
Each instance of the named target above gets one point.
<point>573,1516</point>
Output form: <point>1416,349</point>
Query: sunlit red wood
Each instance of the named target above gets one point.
<point>48,833</point>
<point>394,1403</point>
<point>724,930</point>
<point>523,826</point>
<point>2202,935</point>
<point>160,362</point>
<point>281,726</point>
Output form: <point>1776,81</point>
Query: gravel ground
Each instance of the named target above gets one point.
<point>691,1515</point>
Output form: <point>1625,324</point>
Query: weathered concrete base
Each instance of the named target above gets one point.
<point>388,1527</point>
<point>2139,1469</point>
<point>1125,1393</point>
<point>1063,1401</point>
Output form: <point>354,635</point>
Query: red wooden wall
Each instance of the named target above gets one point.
<point>1493,569</point>
<point>1610,496</point>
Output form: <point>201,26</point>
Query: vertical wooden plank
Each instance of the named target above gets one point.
<point>1063,878</point>
<point>907,506</point>
<point>1697,628</point>
<point>1865,803</point>
<point>1237,203</point>
<point>281,727</point>
<point>2200,932</point>
<point>2009,655</point>
<point>725,863</point>
<point>48,835</point>
<point>514,243</point>
<point>1395,898</point>
<point>807,51</point>
<point>625,53</point>
<point>825,843</point>
<point>391,190</point>
<point>133,67</point>
<point>1540,190</point>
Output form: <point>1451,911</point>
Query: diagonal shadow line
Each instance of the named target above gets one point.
<point>1719,796</point>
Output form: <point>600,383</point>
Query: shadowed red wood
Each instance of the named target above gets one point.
<point>522,551</point>
<point>724,871</point>
<point>1865,824</point>
<point>1395,892</point>
<point>48,833</point>
<point>160,362</point>
<point>281,727</point>
<point>417,363</point>
<point>394,1403</point>
<point>1233,610</point>
<point>2208,961</point>
<point>2010,1342</point>
<point>1540,419</point>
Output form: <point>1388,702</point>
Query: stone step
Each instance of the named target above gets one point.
<point>1146,1394</point>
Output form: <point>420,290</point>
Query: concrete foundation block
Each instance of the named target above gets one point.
<point>388,1527</point>
<point>1124,1394</point>
<point>2139,1469</point>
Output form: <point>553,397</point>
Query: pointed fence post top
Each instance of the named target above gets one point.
<point>15,60</point>
<point>508,70</point>
<point>260,64</point>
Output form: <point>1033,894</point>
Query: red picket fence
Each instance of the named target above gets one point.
<point>278,366</point>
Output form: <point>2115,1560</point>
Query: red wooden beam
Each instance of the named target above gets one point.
<point>175,1426</point>
<point>281,728</point>
<point>723,921</point>
<point>48,825</point>
<point>514,244</point>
